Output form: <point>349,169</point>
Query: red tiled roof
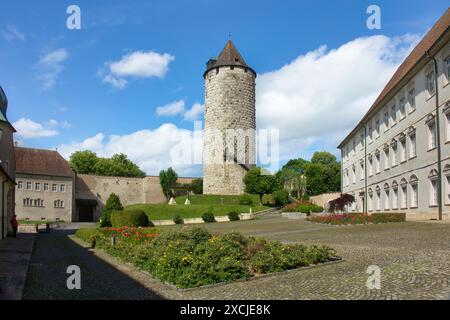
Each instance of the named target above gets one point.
<point>41,162</point>
<point>439,28</point>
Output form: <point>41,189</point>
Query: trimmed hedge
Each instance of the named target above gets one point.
<point>233,216</point>
<point>129,217</point>
<point>208,217</point>
<point>245,199</point>
<point>178,219</point>
<point>359,218</point>
<point>383,217</point>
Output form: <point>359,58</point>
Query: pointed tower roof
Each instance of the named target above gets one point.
<point>229,56</point>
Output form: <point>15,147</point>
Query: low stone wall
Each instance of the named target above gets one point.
<point>242,216</point>
<point>293,215</point>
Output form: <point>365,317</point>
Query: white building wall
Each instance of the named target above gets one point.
<point>353,152</point>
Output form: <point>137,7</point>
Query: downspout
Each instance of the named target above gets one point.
<point>3,209</point>
<point>438,135</point>
<point>365,170</point>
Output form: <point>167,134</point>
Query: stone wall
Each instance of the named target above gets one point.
<point>229,104</point>
<point>322,199</point>
<point>130,190</point>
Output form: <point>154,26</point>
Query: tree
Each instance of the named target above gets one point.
<point>323,157</point>
<point>87,162</point>
<point>197,186</point>
<point>112,204</point>
<point>323,174</point>
<point>260,184</point>
<point>298,165</point>
<point>294,181</point>
<point>339,204</point>
<point>168,180</point>
<point>83,162</point>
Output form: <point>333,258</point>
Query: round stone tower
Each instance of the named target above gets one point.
<point>229,135</point>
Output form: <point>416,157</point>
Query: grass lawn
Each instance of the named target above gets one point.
<point>218,205</point>
<point>39,221</point>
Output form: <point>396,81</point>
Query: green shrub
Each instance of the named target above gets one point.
<point>382,217</point>
<point>281,197</point>
<point>192,257</point>
<point>178,219</point>
<point>88,235</point>
<point>197,186</point>
<point>198,234</point>
<point>304,208</point>
<point>233,216</point>
<point>130,217</point>
<point>208,217</point>
<point>245,199</point>
<point>316,208</point>
<point>112,204</point>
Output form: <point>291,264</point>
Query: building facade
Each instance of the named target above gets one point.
<point>7,168</point>
<point>230,123</point>
<point>398,157</point>
<point>48,189</point>
<point>45,186</point>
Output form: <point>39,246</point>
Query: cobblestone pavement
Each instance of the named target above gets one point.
<point>414,259</point>
<point>47,276</point>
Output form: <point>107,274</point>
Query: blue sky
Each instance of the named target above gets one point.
<point>55,78</point>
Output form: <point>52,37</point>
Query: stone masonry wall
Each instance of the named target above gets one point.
<point>229,104</point>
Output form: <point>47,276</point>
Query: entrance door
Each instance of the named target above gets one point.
<point>86,213</point>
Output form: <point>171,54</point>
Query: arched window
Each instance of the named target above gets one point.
<point>447,183</point>
<point>434,188</point>
<point>403,194</point>
<point>370,202</point>
<point>394,195</point>
<point>414,183</point>
<point>386,196</point>
<point>378,198</point>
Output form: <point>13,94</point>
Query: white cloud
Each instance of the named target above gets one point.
<point>194,112</point>
<point>171,109</point>
<point>11,33</point>
<point>316,99</point>
<point>63,124</point>
<point>50,66</point>
<point>150,149</point>
<point>138,64</point>
<point>28,129</point>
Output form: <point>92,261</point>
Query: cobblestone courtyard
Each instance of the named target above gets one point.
<point>414,259</point>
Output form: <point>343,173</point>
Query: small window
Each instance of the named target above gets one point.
<point>412,145</point>
<point>29,185</point>
<point>402,108</point>
<point>62,188</point>
<point>431,135</point>
<point>448,126</point>
<point>54,187</point>
<point>37,186</point>
<point>45,186</point>
<point>447,68</point>
<point>393,115</point>
<point>412,100</point>
<point>20,185</point>
<point>430,83</point>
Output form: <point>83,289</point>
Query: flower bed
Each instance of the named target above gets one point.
<point>302,206</point>
<point>358,218</point>
<point>193,257</point>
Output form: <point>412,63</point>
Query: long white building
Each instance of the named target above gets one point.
<point>397,158</point>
